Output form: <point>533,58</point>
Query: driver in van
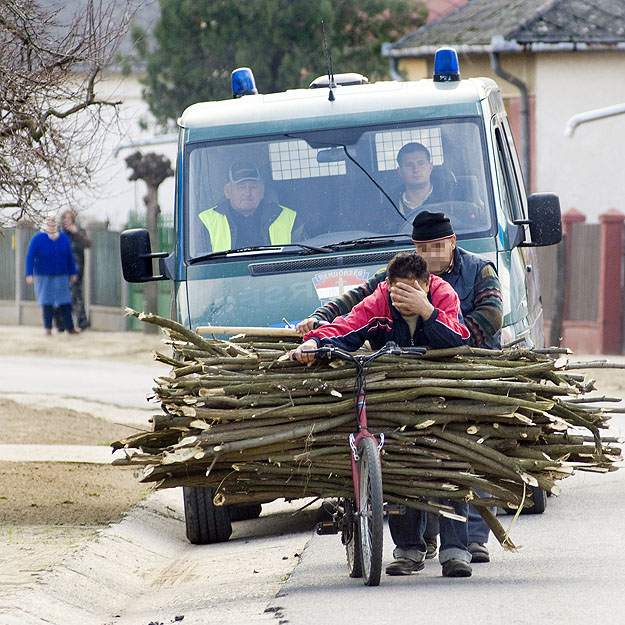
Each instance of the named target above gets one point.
<point>245,218</point>
<point>475,280</point>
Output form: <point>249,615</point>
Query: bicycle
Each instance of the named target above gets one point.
<point>360,520</point>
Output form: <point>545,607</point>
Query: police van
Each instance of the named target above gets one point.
<point>318,169</point>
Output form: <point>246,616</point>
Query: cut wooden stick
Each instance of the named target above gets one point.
<point>240,419</point>
<point>249,331</point>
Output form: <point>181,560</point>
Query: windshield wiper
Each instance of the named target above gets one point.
<point>306,249</point>
<point>383,239</point>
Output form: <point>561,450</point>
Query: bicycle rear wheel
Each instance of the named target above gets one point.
<point>371,512</point>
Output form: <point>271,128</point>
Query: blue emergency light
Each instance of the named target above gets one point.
<point>446,68</point>
<point>243,82</point>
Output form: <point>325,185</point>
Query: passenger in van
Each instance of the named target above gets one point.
<point>414,166</point>
<point>432,318</point>
<point>418,186</point>
<point>475,280</point>
<point>423,184</point>
<point>245,218</point>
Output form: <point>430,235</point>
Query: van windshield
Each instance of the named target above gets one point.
<point>321,188</point>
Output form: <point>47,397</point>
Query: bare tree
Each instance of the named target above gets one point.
<point>51,118</point>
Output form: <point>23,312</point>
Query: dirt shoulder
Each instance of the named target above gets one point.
<point>48,510</point>
<point>72,494</point>
<point>132,347</point>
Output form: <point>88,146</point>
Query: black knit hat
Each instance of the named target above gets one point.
<point>431,226</point>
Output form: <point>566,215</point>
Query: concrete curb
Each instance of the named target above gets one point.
<point>90,454</point>
<point>143,570</point>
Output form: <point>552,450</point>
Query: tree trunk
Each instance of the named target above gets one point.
<point>150,289</point>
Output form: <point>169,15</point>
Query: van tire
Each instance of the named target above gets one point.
<point>244,511</point>
<point>205,522</point>
<point>539,496</point>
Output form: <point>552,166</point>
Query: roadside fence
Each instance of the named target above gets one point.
<point>106,293</point>
<point>591,315</point>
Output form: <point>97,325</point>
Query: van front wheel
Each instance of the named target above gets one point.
<point>206,523</point>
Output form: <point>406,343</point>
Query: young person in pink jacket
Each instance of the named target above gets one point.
<point>382,316</point>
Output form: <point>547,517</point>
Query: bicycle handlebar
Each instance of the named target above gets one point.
<point>390,349</point>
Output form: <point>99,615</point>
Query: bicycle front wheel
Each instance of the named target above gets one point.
<point>371,511</point>
<point>351,540</point>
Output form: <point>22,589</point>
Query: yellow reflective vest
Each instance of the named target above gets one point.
<point>219,228</point>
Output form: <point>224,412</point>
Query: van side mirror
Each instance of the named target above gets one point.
<point>136,254</point>
<point>544,219</point>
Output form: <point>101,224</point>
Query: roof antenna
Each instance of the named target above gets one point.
<point>331,83</point>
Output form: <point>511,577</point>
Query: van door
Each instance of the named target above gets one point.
<point>525,307</point>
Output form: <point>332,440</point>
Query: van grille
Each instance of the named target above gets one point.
<point>324,262</point>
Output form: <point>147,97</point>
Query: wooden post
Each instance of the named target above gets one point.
<point>557,320</point>
<point>18,246</point>
<point>572,216</point>
<point>610,309</point>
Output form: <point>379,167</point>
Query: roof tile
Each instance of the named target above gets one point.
<point>522,22</point>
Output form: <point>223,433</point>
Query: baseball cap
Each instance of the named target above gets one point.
<point>243,170</point>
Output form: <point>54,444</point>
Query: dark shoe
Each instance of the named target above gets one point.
<point>404,566</point>
<point>456,568</point>
<point>431,542</point>
<point>73,331</point>
<point>479,552</point>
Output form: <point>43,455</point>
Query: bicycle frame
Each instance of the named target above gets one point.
<point>361,525</point>
<point>361,408</point>
<point>361,416</point>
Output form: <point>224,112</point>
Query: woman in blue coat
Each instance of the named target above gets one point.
<point>50,264</point>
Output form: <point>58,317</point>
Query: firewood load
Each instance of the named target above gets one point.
<point>241,418</point>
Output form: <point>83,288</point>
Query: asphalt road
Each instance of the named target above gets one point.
<point>103,388</point>
<point>569,570</point>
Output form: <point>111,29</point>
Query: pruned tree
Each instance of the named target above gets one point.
<point>51,118</point>
<point>153,169</point>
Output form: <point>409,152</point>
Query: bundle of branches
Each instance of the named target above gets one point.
<point>253,425</point>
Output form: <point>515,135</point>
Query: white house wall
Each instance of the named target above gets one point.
<point>587,171</point>
<point>115,195</point>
